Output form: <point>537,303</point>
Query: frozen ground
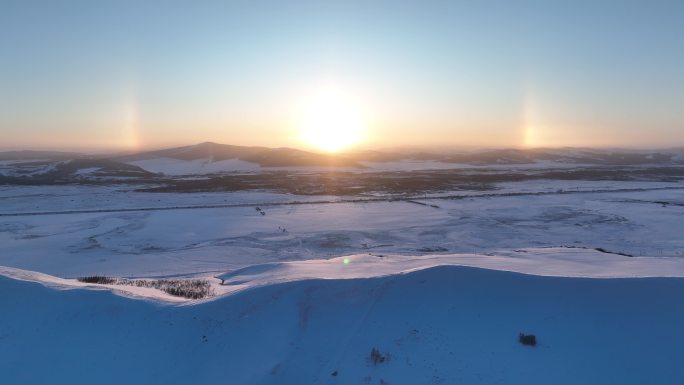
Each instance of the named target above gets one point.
<point>307,286</point>
<point>191,240</point>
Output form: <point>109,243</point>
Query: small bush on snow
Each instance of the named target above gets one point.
<point>527,339</point>
<point>98,279</point>
<point>378,358</point>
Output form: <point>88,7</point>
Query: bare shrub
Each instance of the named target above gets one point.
<point>186,288</point>
<point>527,339</point>
<point>101,279</point>
<point>376,357</point>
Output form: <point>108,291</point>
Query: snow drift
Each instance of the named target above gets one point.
<point>442,325</point>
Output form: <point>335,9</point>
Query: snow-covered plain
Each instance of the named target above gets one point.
<point>203,166</point>
<point>213,240</point>
<point>304,292</point>
<point>177,167</point>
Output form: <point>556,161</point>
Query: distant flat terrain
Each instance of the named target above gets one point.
<point>123,231</point>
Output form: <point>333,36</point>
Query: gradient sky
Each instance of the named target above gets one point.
<point>132,74</point>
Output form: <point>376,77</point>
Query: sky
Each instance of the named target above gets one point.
<point>129,75</point>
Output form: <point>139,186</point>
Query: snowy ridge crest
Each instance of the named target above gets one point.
<point>550,262</point>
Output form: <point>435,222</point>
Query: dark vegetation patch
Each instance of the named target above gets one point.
<point>329,183</point>
<point>421,203</point>
<point>376,357</point>
<point>100,279</point>
<point>338,182</point>
<point>527,339</point>
<point>602,250</point>
<point>599,249</point>
<point>186,288</point>
<point>437,249</point>
<point>406,182</point>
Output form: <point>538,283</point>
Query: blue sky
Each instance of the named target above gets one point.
<point>122,74</point>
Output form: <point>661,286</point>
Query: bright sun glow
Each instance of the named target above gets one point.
<point>331,120</point>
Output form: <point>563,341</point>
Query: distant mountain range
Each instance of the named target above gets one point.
<point>289,157</point>
<point>213,158</point>
<point>534,156</point>
<point>263,156</point>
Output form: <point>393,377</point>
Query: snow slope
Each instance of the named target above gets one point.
<point>443,325</point>
<point>552,262</point>
<point>170,166</point>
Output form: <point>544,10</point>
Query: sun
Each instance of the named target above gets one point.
<point>331,120</point>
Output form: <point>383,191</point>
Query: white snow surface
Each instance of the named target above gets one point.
<point>305,291</point>
<point>552,262</point>
<point>87,170</point>
<point>170,166</point>
<point>443,325</point>
<point>198,239</point>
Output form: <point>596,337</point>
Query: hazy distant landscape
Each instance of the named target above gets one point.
<point>215,167</point>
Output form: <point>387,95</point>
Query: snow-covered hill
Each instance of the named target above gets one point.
<point>51,171</point>
<point>215,158</point>
<point>209,158</point>
<point>443,325</point>
<point>171,166</point>
<point>209,152</point>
